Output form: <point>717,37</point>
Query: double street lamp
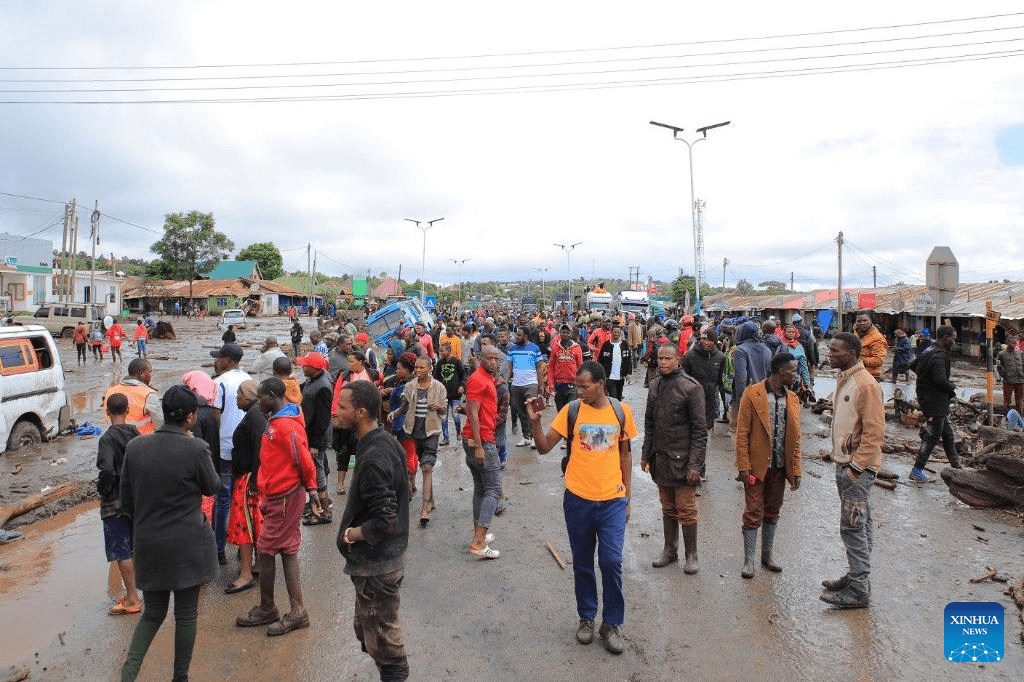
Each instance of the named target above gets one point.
<point>693,202</point>
<point>542,271</point>
<point>568,274</point>
<point>423,265</point>
<point>458,264</point>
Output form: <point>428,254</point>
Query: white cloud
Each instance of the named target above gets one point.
<point>899,160</point>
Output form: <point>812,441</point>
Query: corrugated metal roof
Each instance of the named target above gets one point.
<point>1007,299</point>
<point>204,288</point>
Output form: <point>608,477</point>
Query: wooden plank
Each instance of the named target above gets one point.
<point>554,553</point>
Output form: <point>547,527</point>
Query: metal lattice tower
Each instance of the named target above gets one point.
<point>699,223</point>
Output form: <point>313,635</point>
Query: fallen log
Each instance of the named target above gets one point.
<point>31,502</point>
<point>887,475</point>
<point>990,434</point>
<point>984,489</point>
<point>1008,465</point>
<point>888,485</point>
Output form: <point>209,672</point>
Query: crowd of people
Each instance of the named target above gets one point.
<point>258,465</point>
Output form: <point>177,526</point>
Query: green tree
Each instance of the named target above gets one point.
<point>267,256</point>
<point>190,240</point>
<point>773,285</point>
<point>744,287</point>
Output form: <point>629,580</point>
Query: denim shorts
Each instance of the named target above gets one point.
<point>117,538</point>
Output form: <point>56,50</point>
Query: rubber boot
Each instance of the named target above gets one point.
<point>670,554</point>
<point>767,542</point>
<point>690,545</point>
<point>749,548</point>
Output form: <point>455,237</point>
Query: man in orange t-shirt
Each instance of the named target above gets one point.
<point>596,500</point>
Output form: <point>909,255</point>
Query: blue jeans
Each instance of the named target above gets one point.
<point>222,506</point>
<point>600,524</point>
<point>141,346</point>
<point>500,438</point>
<point>486,482</point>
<point>452,404</point>
<point>855,525</point>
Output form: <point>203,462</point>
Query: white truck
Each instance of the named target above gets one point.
<point>598,301</point>
<point>635,302</point>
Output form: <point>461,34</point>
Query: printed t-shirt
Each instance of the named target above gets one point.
<point>480,388</point>
<point>593,472</point>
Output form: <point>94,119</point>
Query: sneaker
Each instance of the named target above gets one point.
<point>920,476</point>
<point>612,638</point>
<point>532,443</point>
<point>443,442</point>
<point>585,631</point>
<point>845,599</point>
<point>563,446</point>
<point>522,443</point>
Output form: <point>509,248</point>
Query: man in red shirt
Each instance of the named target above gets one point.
<point>598,337</point>
<point>481,451</point>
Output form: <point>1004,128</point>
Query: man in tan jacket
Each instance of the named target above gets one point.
<point>858,429</point>
<point>767,455</point>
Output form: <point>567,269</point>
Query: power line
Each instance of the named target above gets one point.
<point>23,196</point>
<point>936,22</point>
<point>141,227</point>
<point>510,77</point>
<point>611,60</point>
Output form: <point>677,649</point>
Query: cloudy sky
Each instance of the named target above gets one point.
<point>524,125</point>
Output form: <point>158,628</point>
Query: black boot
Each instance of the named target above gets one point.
<point>690,545</point>
<point>670,554</point>
<point>749,548</point>
<point>767,542</point>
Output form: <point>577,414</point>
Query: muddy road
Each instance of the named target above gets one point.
<point>514,618</point>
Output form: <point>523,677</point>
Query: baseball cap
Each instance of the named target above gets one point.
<point>228,350</point>
<point>797,318</point>
<point>314,360</point>
<point>362,337</point>
<point>565,328</point>
<point>177,402</point>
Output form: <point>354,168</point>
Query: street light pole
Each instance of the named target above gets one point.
<point>568,274</point>
<point>542,271</point>
<point>423,264</point>
<point>693,201</point>
<point>458,264</point>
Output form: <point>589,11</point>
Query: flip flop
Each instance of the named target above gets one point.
<point>120,609</point>
<point>485,552</point>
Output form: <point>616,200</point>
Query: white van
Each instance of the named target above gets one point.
<point>61,318</point>
<point>33,403</point>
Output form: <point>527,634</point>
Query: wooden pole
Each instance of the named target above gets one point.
<point>989,380</point>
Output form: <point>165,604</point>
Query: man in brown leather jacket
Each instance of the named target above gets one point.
<point>675,439</point>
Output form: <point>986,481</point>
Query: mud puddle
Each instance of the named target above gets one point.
<point>49,579</point>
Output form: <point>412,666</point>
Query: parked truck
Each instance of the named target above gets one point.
<point>598,301</point>
<point>635,302</point>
